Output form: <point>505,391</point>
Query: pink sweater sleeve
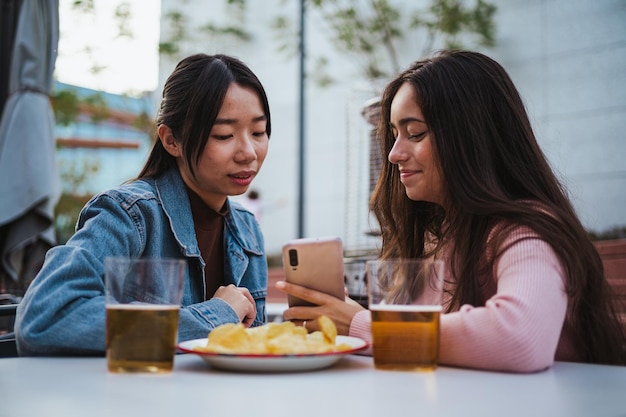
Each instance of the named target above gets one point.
<point>518,329</point>
<point>361,327</point>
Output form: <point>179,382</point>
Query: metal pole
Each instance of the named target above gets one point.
<point>301,159</point>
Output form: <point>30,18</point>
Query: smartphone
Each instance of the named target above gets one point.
<point>315,263</point>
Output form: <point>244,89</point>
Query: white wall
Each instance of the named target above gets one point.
<point>567,57</point>
<point>327,110</point>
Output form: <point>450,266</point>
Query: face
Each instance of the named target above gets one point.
<point>234,152</point>
<point>412,151</point>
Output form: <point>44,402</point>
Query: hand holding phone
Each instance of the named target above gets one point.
<point>314,263</point>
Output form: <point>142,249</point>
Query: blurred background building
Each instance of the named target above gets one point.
<point>102,140</point>
<point>567,58</point>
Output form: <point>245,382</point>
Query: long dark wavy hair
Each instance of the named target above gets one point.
<point>192,98</point>
<point>492,167</point>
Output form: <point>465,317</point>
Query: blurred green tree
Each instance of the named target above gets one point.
<point>372,31</point>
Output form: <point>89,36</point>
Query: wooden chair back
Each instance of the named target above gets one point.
<point>613,254</point>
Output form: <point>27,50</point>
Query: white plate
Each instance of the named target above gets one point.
<point>273,363</point>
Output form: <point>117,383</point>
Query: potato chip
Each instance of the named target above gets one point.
<point>328,328</point>
<point>230,337</point>
<point>274,338</point>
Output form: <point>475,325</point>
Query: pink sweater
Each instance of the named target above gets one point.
<point>519,328</point>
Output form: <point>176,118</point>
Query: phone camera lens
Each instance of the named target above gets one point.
<point>293,257</point>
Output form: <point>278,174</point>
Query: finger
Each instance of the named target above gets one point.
<point>247,294</point>
<point>251,314</point>
<point>241,300</point>
<point>310,325</point>
<point>301,313</point>
<point>315,297</point>
<point>249,317</point>
<point>248,320</point>
<point>299,323</point>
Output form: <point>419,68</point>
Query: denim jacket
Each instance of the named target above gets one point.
<point>63,310</point>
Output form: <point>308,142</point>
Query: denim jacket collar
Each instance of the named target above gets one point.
<point>173,197</point>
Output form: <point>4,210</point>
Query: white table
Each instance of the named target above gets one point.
<point>71,387</point>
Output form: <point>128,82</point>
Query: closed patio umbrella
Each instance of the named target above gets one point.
<point>29,183</point>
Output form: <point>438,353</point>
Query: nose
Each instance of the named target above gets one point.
<point>398,152</point>
<point>246,151</point>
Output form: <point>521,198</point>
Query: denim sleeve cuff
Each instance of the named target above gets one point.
<point>197,320</point>
<point>215,311</point>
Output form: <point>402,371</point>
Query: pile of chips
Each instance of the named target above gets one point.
<point>274,338</point>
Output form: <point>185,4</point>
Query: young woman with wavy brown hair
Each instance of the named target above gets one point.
<point>466,182</point>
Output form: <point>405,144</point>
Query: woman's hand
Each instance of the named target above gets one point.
<point>340,311</point>
<point>240,300</point>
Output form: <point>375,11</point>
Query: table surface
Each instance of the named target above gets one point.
<point>353,387</point>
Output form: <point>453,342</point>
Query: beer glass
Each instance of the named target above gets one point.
<point>405,299</point>
<point>143,298</point>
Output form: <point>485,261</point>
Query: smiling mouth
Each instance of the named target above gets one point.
<point>243,175</point>
<point>408,173</point>
<point>242,179</point>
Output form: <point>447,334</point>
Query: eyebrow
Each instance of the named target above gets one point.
<point>407,120</point>
<point>258,119</point>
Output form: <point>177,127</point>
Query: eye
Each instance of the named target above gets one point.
<point>221,137</point>
<point>417,136</point>
<point>259,128</point>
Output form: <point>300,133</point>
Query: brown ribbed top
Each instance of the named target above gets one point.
<point>209,227</point>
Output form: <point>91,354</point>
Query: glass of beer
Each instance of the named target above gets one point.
<point>143,298</point>
<point>405,299</point>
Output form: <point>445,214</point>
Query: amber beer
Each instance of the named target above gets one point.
<point>406,337</point>
<point>141,337</point>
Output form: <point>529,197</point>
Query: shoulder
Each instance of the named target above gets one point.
<point>505,232</point>
<point>128,202</point>
<point>515,244</point>
<point>241,212</point>
<point>244,227</point>
<point>127,194</point>
<point>243,219</point>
